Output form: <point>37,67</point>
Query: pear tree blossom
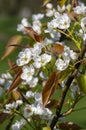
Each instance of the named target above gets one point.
<point>49,73</point>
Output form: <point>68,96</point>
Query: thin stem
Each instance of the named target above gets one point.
<point>73,39</point>
<point>63,32</point>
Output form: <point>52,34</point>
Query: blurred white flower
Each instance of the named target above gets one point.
<point>2,81</point>
<point>81,9</point>
<point>61,21</point>
<point>49,6</point>
<point>41,60</point>
<point>61,64</point>
<point>29,94</point>
<point>32,83</point>
<point>24,57</point>
<point>38,97</point>
<point>28,72</point>
<point>37,49</point>
<point>6,75</point>
<point>37,16</point>
<point>18,125</point>
<point>61,9</point>
<point>19,102</point>
<point>50,12</point>
<point>83,24</point>
<point>24,23</point>
<point>37,26</point>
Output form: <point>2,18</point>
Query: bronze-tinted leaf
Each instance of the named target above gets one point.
<point>57,48</point>
<point>72,15</point>
<point>16,81</point>
<point>9,49</point>
<point>74,3</point>
<point>52,104</point>
<point>33,34</point>
<point>68,126</point>
<point>50,87</point>
<point>46,2</point>
<point>13,67</point>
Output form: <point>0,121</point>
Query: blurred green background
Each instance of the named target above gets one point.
<point>11,13</point>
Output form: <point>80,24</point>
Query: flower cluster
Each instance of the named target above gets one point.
<point>52,55</point>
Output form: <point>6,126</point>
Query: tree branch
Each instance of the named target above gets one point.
<point>66,88</point>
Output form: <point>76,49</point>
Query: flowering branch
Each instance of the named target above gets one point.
<point>66,88</point>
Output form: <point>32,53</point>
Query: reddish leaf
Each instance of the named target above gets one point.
<point>13,67</point>
<point>69,126</point>
<point>33,34</point>
<point>16,81</point>
<point>9,49</point>
<point>49,87</point>
<point>74,3</point>
<point>72,16</point>
<point>57,48</point>
<point>52,104</point>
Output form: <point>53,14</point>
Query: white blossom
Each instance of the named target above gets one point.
<point>61,64</point>
<point>24,57</point>
<point>83,24</point>
<point>32,83</point>
<point>28,72</point>
<point>41,60</point>
<point>50,12</point>
<point>18,125</point>
<point>24,23</point>
<point>29,94</point>
<point>81,9</point>
<point>37,26</point>
<point>37,16</point>
<point>36,50</point>
<point>61,21</point>
<point>2,81</point>
<point>61,9</point>
<point>6,75</point>
<point>19,102</point>
<point>49,6</point>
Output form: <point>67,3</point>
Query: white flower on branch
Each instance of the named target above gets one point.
<point>81,9</point>
<point>18,125</point>
<point>83,24</point>
<point>28,72</point>
<point>41,60</point>
<point>24,23</point>
<point>61,21</point>
<point>24,57</point>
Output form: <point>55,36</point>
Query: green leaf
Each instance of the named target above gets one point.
<point>82,82</point>
<point>61,2</point>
